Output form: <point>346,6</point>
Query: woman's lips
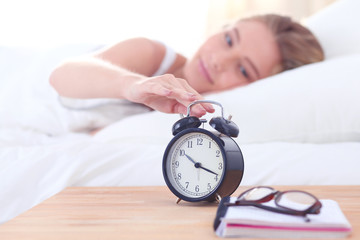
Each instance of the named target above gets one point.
<point>205,72</point>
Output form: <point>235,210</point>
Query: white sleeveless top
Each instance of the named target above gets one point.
<point>89,114</point>
<point>167,62</point>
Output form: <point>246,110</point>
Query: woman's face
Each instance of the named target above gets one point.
<point>240,54</point>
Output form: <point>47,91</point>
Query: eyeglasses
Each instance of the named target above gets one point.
<point>293,202</point>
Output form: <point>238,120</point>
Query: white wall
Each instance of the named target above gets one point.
<point>179,23</point>
<point>182,24</point>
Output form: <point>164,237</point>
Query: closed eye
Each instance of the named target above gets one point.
<point>244,72</point>
<point>228,40</point>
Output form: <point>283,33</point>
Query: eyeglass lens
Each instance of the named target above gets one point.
<point>257,194</point>
<point>299,201</point>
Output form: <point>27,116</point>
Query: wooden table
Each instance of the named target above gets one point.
<point>141,213</point>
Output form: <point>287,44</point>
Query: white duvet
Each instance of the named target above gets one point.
<point>35,165</point>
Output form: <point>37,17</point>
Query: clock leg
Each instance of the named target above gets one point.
<point>217,198</point>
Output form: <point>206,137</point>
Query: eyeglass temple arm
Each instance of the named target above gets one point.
<point>273,209</point>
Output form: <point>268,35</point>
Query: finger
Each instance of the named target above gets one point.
<point>172,92</point>
<point>179,108</point>
<point>182,96</point>
<point>160,90</point>
<point>198,111</point>
<point>208,107</point>
<point>172,101</point>
<point>187,98</point>
<point>182,93</point>
<point>196,96</point>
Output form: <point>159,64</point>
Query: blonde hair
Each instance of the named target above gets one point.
<point>297,45</point>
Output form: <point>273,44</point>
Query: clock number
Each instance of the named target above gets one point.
<point>220,166</point>
<point>217,153</point>
<point>216,178</point>
<point>199,141</point>
<point>190,144</point>
<point>209,144</point>
<point>197,188</point>
<point>187,184</point>
<point>209,186</point>
<point>182,152</point>
<point>177,164</point>
<point>179,176</point>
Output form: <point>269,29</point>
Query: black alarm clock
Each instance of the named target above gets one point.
<point>202,165</point>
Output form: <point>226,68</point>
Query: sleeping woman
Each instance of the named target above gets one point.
<point>151,75</point>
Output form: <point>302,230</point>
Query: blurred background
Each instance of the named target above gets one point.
<point>182,24</point>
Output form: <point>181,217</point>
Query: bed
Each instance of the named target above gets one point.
<point>301,127</point>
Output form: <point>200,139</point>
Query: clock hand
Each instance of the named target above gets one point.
<point>198,165</point>
<point>208,170</point>
<point>192,160</point>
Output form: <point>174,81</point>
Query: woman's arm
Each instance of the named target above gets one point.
<point>103,74</point>
<point>122,71</point>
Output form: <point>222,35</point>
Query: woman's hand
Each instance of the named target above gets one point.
<point>166,93</point>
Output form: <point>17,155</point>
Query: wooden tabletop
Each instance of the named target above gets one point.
<point>141,213</point>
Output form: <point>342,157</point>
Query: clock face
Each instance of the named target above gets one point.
<point>194,164</point>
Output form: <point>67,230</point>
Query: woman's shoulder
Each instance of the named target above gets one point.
<point>141,54</point>
<point>142,45</point>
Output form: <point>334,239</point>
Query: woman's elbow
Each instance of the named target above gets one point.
<point>57,76</point>
<point>53,78</point>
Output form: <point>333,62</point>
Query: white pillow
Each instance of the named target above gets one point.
<point>337,28</point>
<point>316,103</point>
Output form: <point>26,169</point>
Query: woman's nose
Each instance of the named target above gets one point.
<point>220,61</point>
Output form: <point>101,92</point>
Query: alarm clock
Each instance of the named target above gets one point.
<point>203,165</point>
